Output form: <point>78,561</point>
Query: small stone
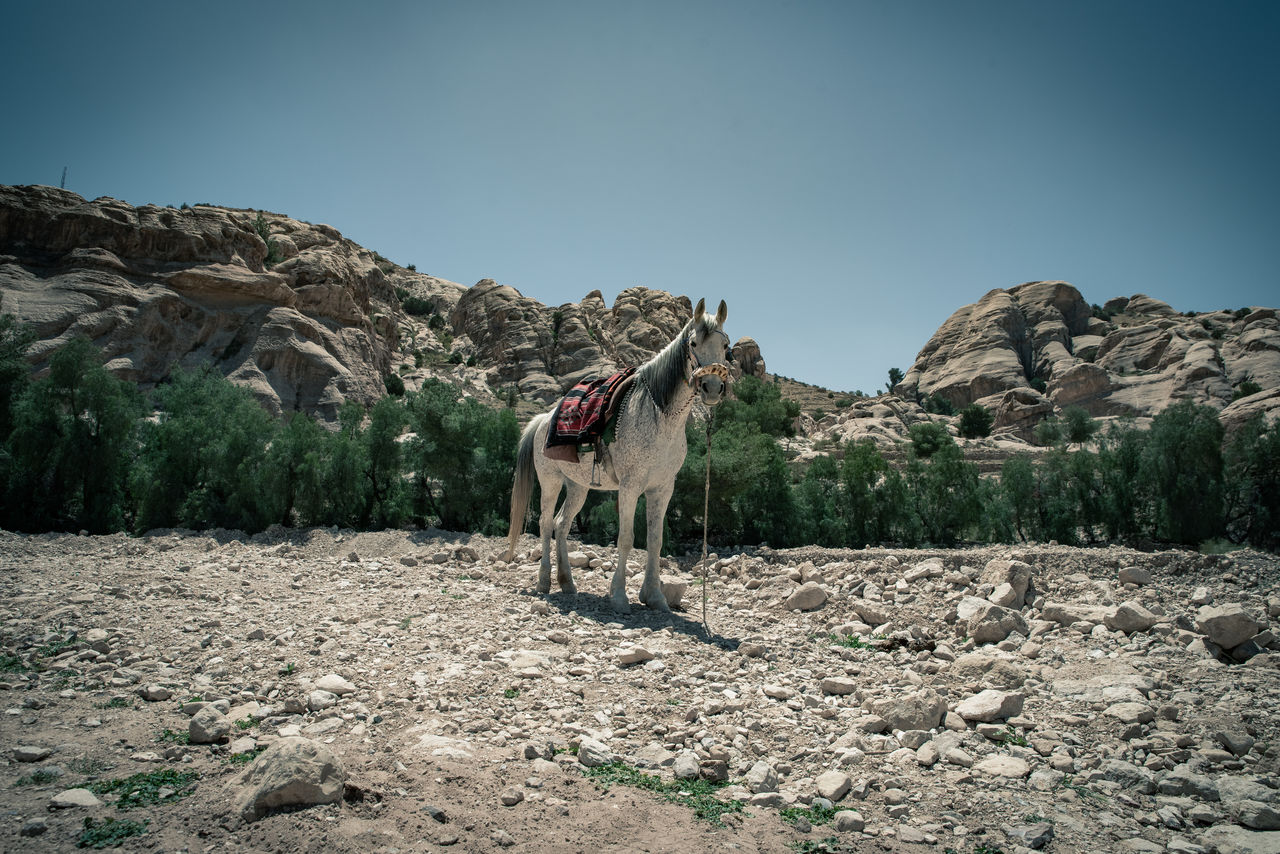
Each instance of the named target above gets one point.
<point>208,726</point>
<point>839,686</point>
<point>1034,836</point>
<point>256,635</point>
<point>335,684</point>
<point>673,589</point>
<point>807,597</point>
<point>1130,617</point>
<point>761,778</point>
<point>35,827</point>
<point>1226,625</point>
<point>30,753</point>
<point>634,655</point>
<point>1239,743</point>
<point>592,753</point>
<point>502,839</point>
<point>1003,766</point>
<point>511,797</point>
<point>1131,713</point>
<point>319,700</point>
<point>685,766</point>
<point>154,693</point>
<point>990,705</point>
<point>74,798</point>
<point>833,785</point>
<point>848,821</point>
<point>291,771</point>
<point>1135,575</point>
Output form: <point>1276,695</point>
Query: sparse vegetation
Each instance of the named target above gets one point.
<point>152,787</point>
<point>109,832</point>
<point>40,777</point>
<point>698,795</point>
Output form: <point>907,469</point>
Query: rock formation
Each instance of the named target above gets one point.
<point>1028,350</point>
<point>304,318</point>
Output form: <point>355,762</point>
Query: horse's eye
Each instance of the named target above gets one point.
<point>728,354</point>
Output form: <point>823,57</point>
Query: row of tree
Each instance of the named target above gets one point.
<point>80,449</point>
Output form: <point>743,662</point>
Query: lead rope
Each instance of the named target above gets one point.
<point>706,506</point>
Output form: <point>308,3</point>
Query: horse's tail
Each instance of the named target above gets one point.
<point>522,485</point>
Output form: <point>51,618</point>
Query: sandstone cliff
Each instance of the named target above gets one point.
<point>304,317</point>
<point>1029,350</point>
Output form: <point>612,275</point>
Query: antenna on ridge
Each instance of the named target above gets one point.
<point>63,185</point>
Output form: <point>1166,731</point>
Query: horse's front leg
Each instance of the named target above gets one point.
<point>627,498</point>
<point>655,501</point>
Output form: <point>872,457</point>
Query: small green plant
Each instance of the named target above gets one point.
<point>846,641</point>
<point>826,845</point>
<point>115,703</point>
<point>12,664</point>
<point>1012,736</point>
<point>1080,789</point>
<point>815,815</point>
<point>511,693</point>
<point>152,787</point>
<point>246,757</point>
<point>672,701</point>
<point>36,778</point>
<point>698,795</point>
<point>247,723</point>
<point>263,229</point>
<point>1034,818</point>
<point>169,736</point>
<point>87,766</point>
<point>110,832</point>
<point>404,624</point>
<point>55,648</point>
<point>983,848</point>
<point>288,669</point>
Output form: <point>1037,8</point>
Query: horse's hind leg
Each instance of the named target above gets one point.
<point>574,497</point>
<point>550,486</point>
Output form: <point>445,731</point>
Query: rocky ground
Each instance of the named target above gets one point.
<point>412,694</point>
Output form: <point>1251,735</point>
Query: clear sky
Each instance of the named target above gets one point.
<point>844,174</point>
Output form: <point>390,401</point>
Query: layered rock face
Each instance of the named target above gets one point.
<point>309,320</point>
<point>157,288</point>
<point>1030,349</point>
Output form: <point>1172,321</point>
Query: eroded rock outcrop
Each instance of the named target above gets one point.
<point>305,322</point>
<point>1029,350</point>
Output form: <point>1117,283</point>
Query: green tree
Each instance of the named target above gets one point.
<point>383,465</point>
<point>1183,474</point>
<point>201,461</point>
<point>461,458</point>
<point>1252,483</point>
<point>1048,432</point>
<point>975,421</point>
<point>71,445</point>
<point>1077,425</point>
<point>1123,506</point>
<point>895,377</point>
<point>927,438</point>
<point>819,504</point>
<point>294,472</point>
<point>1018,489</point>
<point>944,488</point>
<point>15,339</point>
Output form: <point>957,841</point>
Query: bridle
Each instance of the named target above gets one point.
<point>716,369</point>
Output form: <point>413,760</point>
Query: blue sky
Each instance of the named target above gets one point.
<point>844,174</point>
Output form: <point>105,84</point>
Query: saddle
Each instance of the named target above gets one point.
<point>584,414</point>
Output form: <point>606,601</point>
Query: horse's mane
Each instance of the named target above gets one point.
<point>664,373</point>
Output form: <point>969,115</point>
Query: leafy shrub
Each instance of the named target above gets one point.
<point>975,421</point>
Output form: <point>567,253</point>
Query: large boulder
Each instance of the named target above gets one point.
<point>291,772</point>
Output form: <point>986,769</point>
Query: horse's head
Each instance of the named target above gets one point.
<point>710,353</point>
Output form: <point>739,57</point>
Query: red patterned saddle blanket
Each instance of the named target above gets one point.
<point>583,414</point>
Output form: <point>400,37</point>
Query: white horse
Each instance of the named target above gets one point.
<point>648,451</point>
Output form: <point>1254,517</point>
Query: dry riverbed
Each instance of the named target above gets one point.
<point>983,700</point>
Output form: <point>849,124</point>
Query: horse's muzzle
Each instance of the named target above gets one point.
<point>712,382</point>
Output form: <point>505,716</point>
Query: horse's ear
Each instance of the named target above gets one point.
<point>699,308</point>
<point>722,314</point>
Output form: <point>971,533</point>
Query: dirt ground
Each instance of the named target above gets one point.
<point>471,691</point>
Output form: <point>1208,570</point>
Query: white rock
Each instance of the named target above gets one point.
<point>761,778</point>
<point>1226,625</point>
<point>833,785</point>
<point>592,753</point>
<point>74,798</point>
<point>335,684</point>
<point>807,597</point>
<point>1003,766</point>
<point>208,726</point>
<point>990,705</point>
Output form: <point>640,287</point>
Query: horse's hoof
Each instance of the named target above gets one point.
<point>544,589</point>
<point>622,607</point>
<point>568,589</point>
